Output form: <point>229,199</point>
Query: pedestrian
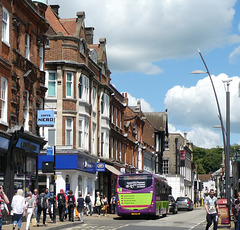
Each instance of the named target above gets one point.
<point>61,204</point>
<point>35,196</point>
<point>98,203</point>
<point>88,203</point>
<point>49,203</point>
<point>80,207</point>
<point>18,206</point>
<point>42,204</point>
<point>236,207</point>
<point>211,206</point>
<point>113,204</point>
<point>29,209</point>
<point>3,201</point>
<point>71,205</point>
<point>105,205</point>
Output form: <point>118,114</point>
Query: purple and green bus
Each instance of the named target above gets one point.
<point>142,194</point>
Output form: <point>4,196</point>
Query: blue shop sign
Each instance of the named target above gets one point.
<point>28,145</point>
<point>4,143</point>
<point>45,118</point>
<point>100,167</point>
<point>90,167</point>
<point>49,150</point>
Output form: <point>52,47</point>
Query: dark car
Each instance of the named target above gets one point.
<point>184,203</point>
<point>172,205</point>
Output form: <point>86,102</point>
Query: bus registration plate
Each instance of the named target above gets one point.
<point>135,213</point>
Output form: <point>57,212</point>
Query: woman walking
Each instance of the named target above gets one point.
<point>18,206</point>
<point>29,209</point>
<point>105,205</point>
<point>98,204</point>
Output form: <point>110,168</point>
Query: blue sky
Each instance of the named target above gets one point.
<point>152,46</point>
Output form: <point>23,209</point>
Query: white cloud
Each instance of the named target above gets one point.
<point>172,129</point>
<point>145,106</point>
<point>148,31</point>
<point>196,107</point>
<point>205,138</point>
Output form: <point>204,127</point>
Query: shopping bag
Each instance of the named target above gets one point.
<point>34,222</point>
<point>76,213</point>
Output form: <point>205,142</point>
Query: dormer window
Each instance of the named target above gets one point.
<point>82,48</point>
<point>94,55</point>
<point>103,69</point>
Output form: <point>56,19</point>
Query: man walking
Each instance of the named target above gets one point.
<point>88,203</point>
<point>49,203</point>
<point>211,206</point>
<point>42,204</point>
<point>62,204</point>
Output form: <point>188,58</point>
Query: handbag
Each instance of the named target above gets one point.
<point>34,222</point>
<point>103,208</point>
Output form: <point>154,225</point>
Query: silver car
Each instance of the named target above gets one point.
<point>184,203</point>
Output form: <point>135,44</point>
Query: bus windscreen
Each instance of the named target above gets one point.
<point>135,182</point>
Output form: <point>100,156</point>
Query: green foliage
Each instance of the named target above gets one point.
<point>208,160</point>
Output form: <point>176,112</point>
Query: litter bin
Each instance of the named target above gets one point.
<point>223,210</point>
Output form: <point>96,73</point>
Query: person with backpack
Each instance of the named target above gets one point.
<point>71,205</point>
<point>42,204</point>
<point>88,203</point>
<point>113,204</point>
<point>61,204</point>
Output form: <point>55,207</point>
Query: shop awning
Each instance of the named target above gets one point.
<point>112,169</point>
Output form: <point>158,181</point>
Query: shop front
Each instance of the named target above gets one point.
<point>74,170</point>
<point>19,163</point>
<point>107,181</point>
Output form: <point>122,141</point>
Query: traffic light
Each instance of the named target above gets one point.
<point>195,184</point>
<point>200,186</point>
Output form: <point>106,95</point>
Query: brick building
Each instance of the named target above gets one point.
<point>23,27</point>
<point>77,78</point>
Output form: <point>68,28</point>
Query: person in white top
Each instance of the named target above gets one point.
<point>29,209</point>
<point>18,206</point>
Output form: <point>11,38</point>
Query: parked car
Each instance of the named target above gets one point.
<point>184,203</point>
<point>172,205</point>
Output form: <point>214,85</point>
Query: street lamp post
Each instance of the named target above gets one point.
<point>225,134</point>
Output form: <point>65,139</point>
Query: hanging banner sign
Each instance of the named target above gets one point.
<point>45,118</point>
<point>100,167</point>
<point>182,154</point>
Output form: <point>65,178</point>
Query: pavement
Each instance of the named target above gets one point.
<point>58,225</point>
<point>67,224</point>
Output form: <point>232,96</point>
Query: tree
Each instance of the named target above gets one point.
<point>208,160</point>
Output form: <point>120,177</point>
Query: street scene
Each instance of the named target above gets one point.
<point>119,114</point>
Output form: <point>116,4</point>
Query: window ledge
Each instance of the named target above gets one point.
<point>6,43</point>
<point>3,123</point>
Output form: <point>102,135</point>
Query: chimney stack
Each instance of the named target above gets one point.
<point>89,34</point>
<point>125,98</point>
<point>55,9</point>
